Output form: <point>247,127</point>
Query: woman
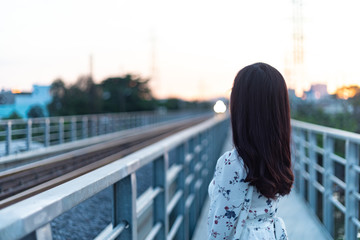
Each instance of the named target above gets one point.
<point>249,180</point>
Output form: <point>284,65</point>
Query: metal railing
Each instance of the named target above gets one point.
<point>178,190</point>
<point>20,135</point>
<point>326,166</point>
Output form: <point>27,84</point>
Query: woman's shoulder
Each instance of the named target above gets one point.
<point>229,157</point>
<point>230,160</point>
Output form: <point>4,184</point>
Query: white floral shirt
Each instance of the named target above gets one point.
<point>238,210</point>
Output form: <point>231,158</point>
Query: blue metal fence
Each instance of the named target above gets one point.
<point>21,135</point>
<point>178,190</point>
<point>326,165</point>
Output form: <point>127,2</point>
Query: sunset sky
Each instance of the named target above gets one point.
<point>199,46</point>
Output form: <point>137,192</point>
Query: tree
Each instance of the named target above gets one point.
<point>83,97</point>
<point>36,111</point>
<point>352,95</point>
<point>13,115</point>
<point>127,93</point>
<point>118,94</point>
<point>58,92</point>
<point>348,119</point>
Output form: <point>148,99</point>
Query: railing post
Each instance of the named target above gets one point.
<point>132,121</point>
<point>197,173</point>
<point>84,127</point>
<point>8,138</point>
<point>294,161</point>
<point>28,134</point>
<point>160,202</point>
<point>328,209</point>
<point>192,206</point>
<point>93,126</point>
<point>124,207</point>
<point>124,121</point>
<point>47,132</point>
<point>209,159</point>
<point>312,171</point>
<point>117,122</point>
<point>352,179</point>
<point>112,123</point>
<point>106,124</point>
<point>136,120</point>
<point>99,126</point>
<point>144,119</point>
<point>73,129</point>
<point>61,130</point>
<point>203,171</point>
<point>121,122</point>
<point>302,164</point>
<point>187,192</point>
<point>182,233</point>
<point>44,233</point>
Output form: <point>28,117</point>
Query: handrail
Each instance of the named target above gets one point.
<point>21,135</point>
<point>333,132</point>
<point>20,220</point>
<point>320,155</point>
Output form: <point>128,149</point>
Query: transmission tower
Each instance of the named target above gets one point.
<point>295,65</point>
<point>298,32</point>
<point>91,66</point>
<point>155,82</point>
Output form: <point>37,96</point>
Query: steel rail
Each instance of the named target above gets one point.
<point>20,220</point>
<point>22,182</point>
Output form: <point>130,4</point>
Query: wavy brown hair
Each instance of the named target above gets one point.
<point>260,119</point>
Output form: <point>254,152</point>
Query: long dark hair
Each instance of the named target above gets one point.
<point>260,119</point>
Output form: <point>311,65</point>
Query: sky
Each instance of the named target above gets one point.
<point>191,49</point>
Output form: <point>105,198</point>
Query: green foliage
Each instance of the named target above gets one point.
<point>173,104</point>
<point>348,120</point>
<point>117,94</point>
<point>35,111</point>
<point>58,92</point>
<point>83,97</point>
<point>179,104</point>
<point>13,115</point>
<point>126,94</point>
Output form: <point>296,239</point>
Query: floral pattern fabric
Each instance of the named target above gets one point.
<point>238,210</point>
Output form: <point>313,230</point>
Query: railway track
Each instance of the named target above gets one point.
<point>25,181</point>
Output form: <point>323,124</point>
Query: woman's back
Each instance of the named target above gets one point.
<point>249,180</point>
<point>246,213</point>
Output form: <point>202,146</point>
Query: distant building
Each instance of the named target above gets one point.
<point>294,100</point>
<point>316,92</point>
<point>21,103</point>
<point>6,97</point>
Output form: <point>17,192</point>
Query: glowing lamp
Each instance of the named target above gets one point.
<point>220,107</point>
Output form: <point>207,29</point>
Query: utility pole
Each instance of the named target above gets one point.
<point>155,81</point>
<point>91,66</point>
<point>298,32</point>
<point>296,71</point>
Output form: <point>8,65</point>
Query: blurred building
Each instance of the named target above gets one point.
<point>316,92</point>
<point>318,96</point>
<point>6,97</point>
<point>21,102</point>
<point>293,99</point>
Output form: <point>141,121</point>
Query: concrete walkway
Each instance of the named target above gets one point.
<point>301,223</point>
